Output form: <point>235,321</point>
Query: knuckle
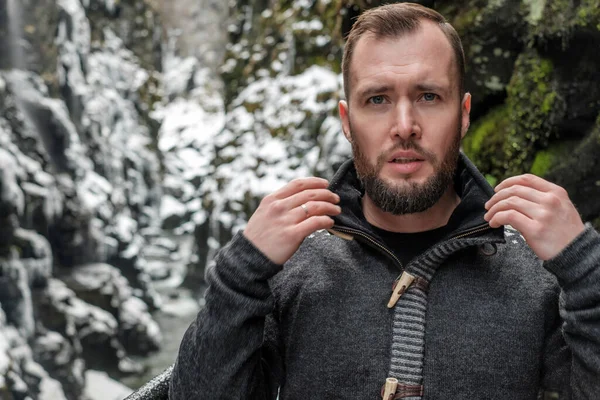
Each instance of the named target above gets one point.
<point>529,177</point>
<point>312,206</point>
<point>510,202</point>
<point>267,199</point>
<point>562,192</point>
<point>297,183</point>
<point>553,200</point>
<point>511,216</point>
<point>518,190</point>
<point>276,206</point>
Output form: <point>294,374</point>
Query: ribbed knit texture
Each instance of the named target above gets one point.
<point>408,331</point>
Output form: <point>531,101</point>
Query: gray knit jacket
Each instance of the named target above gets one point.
<point>485,318</point>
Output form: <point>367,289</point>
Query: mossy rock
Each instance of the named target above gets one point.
<point>484,139</point>
<point>283,39</point>
<point>534,107</point>
<point>578,171</point>
<point>562,19</point>
<point>545,160</point>
<point>136,22</point>
<point>492,34</point>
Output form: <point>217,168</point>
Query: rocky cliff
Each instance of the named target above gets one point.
<point>137,135</point>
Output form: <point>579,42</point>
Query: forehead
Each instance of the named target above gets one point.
<point>423,55</point>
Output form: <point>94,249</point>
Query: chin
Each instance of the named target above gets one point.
<point>399,180</point>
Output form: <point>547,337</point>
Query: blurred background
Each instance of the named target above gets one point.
<point>136,136</point>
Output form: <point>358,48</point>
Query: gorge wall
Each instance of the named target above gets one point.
<point>136,136</point>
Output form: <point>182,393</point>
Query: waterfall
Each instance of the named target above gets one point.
<point>15,33</point>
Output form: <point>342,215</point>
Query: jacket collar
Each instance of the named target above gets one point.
<point>470,185</point>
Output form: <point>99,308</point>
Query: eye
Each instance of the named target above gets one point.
<point>429,97</point>
<point>376,100</point>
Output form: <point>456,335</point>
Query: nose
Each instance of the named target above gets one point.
<point>405,124</point>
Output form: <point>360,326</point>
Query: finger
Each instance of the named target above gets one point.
<point>300,184</point>
<point>523,192</point>
<point>528,208</point>
<point>316,208</point>
<point>310,195</point>
<point>519,221</point>
<point>313,224</point>
<point>528,180</point>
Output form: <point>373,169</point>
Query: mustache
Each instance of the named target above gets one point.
<point>406,145</point>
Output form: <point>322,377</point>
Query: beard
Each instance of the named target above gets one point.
<point>407,197</point>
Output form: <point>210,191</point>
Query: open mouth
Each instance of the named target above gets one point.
<point>403,160</point>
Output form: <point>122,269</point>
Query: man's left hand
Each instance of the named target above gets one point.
<point>540,210</point>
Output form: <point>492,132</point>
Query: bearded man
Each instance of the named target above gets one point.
<point>401,278</point>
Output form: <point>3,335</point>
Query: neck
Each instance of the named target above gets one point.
<point>432,218</point>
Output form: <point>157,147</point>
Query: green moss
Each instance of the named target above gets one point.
<point>482,129</point>
<point>560,18</point>
<point>553,156</point>
<point>492,180</point>
<point>484,142</point>
<point>596,223</point>
<point>544,160</point>
<point>465,19</point>
<point>588,14</point>
<point>534,106</point>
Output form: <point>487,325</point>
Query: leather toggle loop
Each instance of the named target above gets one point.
<point>402,391</point>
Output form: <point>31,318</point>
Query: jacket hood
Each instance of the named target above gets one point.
<point>472,188</point>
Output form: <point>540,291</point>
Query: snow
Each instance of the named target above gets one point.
<point>267,138</point>
<point>94,190</point>
<point>5,361</point>
<point>181,307</point>
<point>11,190</point>
<point>313,25</point>
<point>134,312</point>
<point>74,48</point>
<point>178,73</point>
<point>51,389</point>
<point>99,386</point>
<point>170,206</point>
<point>185,122</point>
<point>125,228</point>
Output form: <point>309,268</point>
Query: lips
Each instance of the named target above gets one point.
<point>402,157</point>
<point>405,162</point>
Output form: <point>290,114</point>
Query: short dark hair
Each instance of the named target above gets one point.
<point>395,20</point>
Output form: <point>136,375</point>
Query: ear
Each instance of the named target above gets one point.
<point>345,118</point>
<point>465,111</point>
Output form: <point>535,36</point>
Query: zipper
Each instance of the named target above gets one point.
<point>397,289</point>
<point>477,229</point>
<point>371,241</point>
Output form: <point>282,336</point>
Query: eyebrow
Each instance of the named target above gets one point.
<point>373,90</point>
<point>421,87</point>
<point>431,87</point>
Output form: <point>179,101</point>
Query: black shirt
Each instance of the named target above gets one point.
<point>407,246</point>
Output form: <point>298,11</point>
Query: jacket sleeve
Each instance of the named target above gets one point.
<point>577,269</point>
<point>231,350</point>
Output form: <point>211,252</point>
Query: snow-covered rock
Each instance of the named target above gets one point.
<point>103,285</point>
<point>99,386</point>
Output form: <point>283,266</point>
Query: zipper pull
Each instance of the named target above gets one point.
<point>400,285</point>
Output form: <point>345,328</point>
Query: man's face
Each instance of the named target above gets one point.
<point>405,118</point>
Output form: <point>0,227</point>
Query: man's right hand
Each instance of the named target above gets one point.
<point>281,222</point>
